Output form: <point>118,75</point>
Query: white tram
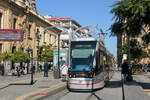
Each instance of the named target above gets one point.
<point>88,68</point>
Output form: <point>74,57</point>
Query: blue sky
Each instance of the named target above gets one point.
<point>94,12</point>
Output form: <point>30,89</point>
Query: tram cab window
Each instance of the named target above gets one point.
<point>82,61</point>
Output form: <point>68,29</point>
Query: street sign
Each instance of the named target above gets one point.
<point>10,35</point>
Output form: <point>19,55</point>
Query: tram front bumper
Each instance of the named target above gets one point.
<point>80,83</point>
<point>84,84</point>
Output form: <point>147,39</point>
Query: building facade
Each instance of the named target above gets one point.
<point>22,14</point>
<point>68,25</point>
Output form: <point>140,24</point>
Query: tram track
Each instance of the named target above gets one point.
<point>65,94</point>
<point>122,84</point>
<point>58,96</point>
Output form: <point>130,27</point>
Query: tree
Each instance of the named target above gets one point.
<point>6,56</point>
<point>45,54</point>
<point>132,14</point>
<point>137,52</point>
<point>20,56</point>
<point>130,17</point>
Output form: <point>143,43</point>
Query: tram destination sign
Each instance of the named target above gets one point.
<point>10,35</point>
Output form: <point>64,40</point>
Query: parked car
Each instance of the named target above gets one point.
<point>136,69</point>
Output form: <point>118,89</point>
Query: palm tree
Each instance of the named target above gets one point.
<point>130,17</point>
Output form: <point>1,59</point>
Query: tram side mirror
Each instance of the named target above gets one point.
<point>69,69</point>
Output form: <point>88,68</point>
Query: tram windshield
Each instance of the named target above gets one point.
<point>82,56</point>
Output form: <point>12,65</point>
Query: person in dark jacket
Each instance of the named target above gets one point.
<point>125,70</point>
<point>46,68</point>
<point>2,69</point>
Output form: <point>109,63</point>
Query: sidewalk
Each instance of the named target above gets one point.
<point>20,88</point>
<point>133,90</point>
<point>8,80</point>
<point>46,86</point>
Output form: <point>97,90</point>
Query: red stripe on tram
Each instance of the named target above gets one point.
<point>85,84</point>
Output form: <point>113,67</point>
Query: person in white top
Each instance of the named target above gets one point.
<point>64,72</point>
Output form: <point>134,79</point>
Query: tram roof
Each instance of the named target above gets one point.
<point>85,39</point>
<point>88,39</point>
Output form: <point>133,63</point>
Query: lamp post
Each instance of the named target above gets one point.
<point>38,40</point>
<point>30,52</point>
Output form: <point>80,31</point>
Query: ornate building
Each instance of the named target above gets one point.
<point>22,14</point>
<point>122,39</point>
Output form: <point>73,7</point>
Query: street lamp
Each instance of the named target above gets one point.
<point>38,40</point>
<point>30,52</point>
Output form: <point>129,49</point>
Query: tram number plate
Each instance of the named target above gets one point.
<point>81,74</point>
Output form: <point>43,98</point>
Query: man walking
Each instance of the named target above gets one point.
<point>46,68</point>
<point>125,70</point>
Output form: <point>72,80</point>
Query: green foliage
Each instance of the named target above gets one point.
<point>45,54</point>
<point>6,56</point>
<point>20,56</point>
<point>133,14</point>
<point>116,28</point>
<point>136,50</point>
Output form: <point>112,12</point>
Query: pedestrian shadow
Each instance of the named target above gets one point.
<point>144,85</point>
<point>133,82</point>
<point>11,84</point>
<point>23,83</point>
<point>113,84</point>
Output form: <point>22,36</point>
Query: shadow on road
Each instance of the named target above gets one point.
<point>4,87</point>
<point>113,84</point>
<point>144,85</point>
<point>17,84</point>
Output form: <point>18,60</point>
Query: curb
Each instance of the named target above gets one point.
<point>46,93</point>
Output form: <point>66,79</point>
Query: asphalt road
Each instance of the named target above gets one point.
<point>113,91</point>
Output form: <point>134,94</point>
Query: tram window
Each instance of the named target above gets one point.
<point>99,62</point>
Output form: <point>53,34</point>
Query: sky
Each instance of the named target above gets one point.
<point>85,12</point>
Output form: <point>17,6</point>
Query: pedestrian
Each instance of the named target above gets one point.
<point>62,61</point>
<point>46,68</point>
<point>30,68</point>
<point>64,72</point>
<point>26,68</point>
<point>2,69</point>
<point>146,68</point>
<point>40,67</point>
<point>125,70</point>
<point>18,69</point>
<point>34,69</point>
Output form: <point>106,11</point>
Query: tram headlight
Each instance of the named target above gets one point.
<point>90,75</point>
<point>70,76</point>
